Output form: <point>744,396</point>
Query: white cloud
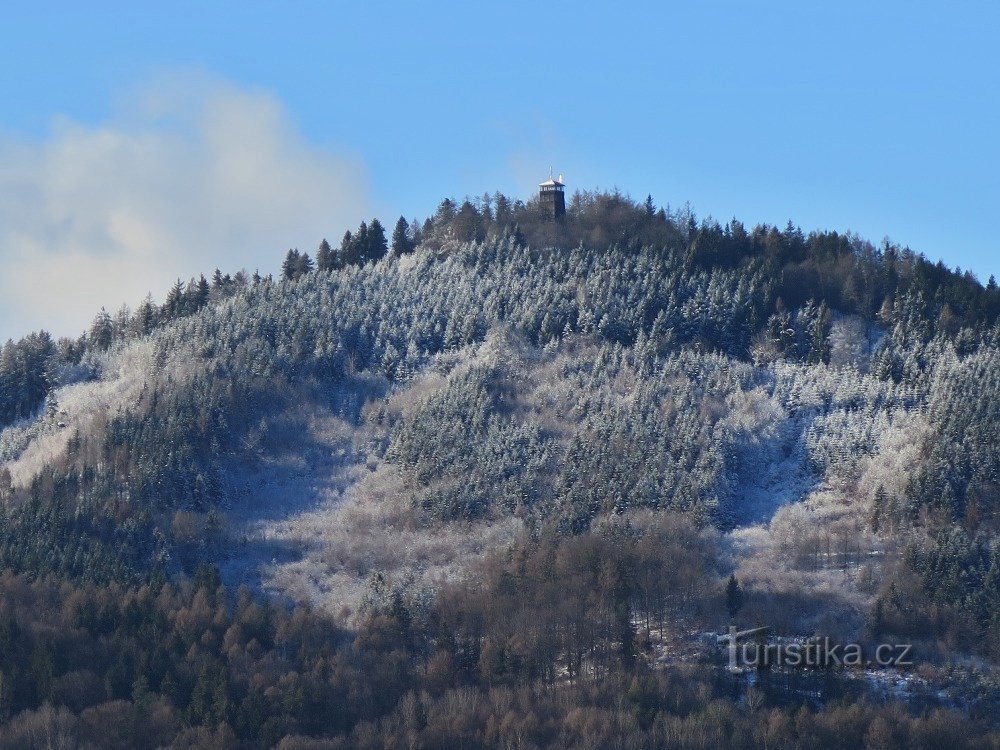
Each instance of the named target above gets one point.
<point>193,174</point>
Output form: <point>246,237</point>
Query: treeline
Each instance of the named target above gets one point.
<point>537,650</point>
<point>845,271</point>
<point>673,336</point>
<point>33,366</point>
<point>839,270</point>
<point>366,245</point>
<point>164,451</point>
<point>668,360</point>
<point>556,608</point>
<point>27,372</point>
<point>107,510</point>
<point>949,587</point>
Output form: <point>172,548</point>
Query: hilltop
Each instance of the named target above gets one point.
<point>460,444</point>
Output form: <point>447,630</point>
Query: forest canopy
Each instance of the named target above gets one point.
<point>529,457</point>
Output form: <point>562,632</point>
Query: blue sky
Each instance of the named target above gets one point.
<point>877,118</point>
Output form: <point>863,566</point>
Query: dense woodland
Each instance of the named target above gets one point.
<point>619,384</point>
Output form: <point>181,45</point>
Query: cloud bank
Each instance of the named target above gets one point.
<point>192,175</point>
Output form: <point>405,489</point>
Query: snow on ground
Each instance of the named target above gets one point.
<point>801,541</point>
<point>778,483</point>
<point>346,541</point>
<point>314,521</point>
<point>31,445</point>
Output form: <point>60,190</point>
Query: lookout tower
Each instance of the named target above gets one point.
<point>551,197</point>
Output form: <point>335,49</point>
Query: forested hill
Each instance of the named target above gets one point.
<point>844,271</point>
<point>627,394</point>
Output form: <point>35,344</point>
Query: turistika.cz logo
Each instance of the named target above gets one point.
<point>748,648</point>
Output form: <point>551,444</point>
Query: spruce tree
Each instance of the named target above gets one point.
<point>290,268</point>
<point>304,265</point>
<point>401,239</point>
<point>376,247</point>
<point>348,249</point>
<point>173,305</point>
<point>324,257</point>
<point>145,316</point>
<point>202,292</point>
<point>101,331</point>
<point>355,247</point>
<point>818,331</point>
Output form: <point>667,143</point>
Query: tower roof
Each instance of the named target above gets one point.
<point>551,183</point>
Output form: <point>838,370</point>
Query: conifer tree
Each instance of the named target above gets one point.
<point>174,303</point>
<point>145,316</point>
<point>348,249</point>
<point>304,265</point>
<point>290,268</point>
<point>376,246</point>
<point>355,247</point>
<point>401,239</point>
<point>201,293</point>
<point>818,331</point>
<point>101,331</point>
<point>324,257</point>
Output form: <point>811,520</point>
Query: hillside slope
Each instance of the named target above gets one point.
<point>378,432</point>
